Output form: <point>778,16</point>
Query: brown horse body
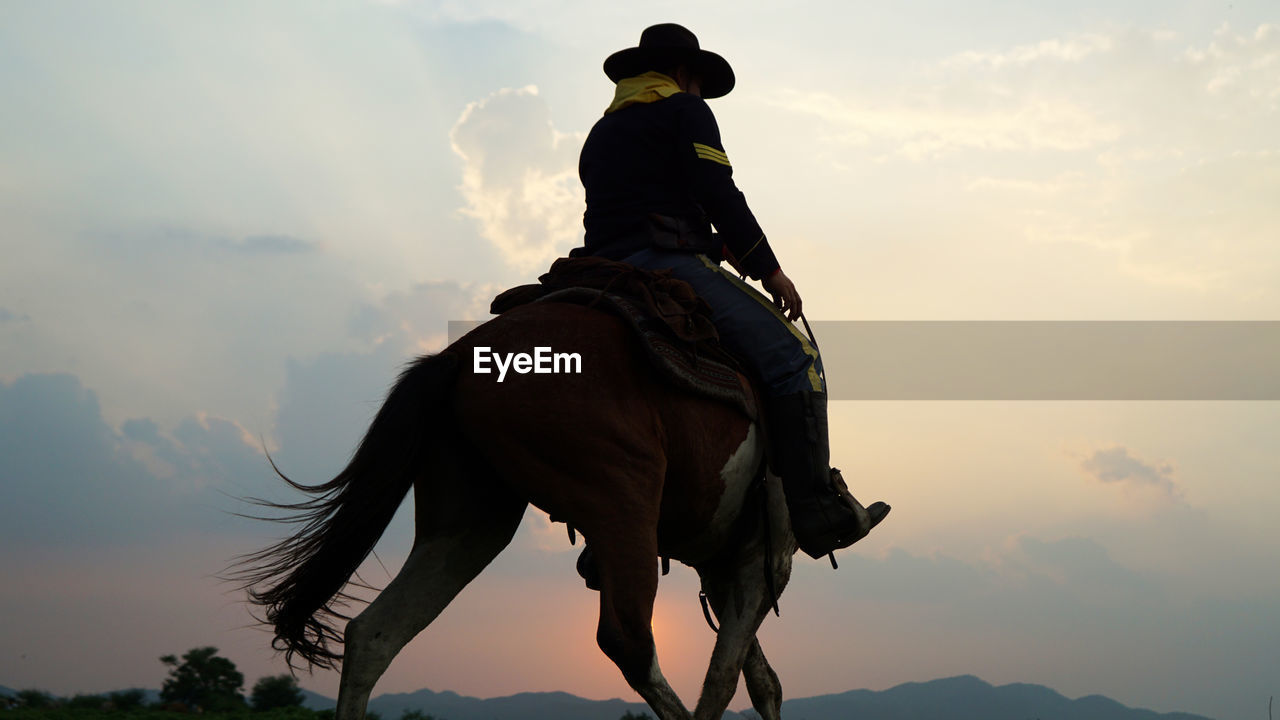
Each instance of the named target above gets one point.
<point>641,469</point>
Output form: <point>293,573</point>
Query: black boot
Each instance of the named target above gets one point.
<point>824,515</point>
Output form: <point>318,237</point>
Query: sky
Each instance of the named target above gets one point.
<point>224,227</point>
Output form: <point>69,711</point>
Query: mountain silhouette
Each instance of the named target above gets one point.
<point>964,698</point>
<point>522,706</point>
<point>956,698</point>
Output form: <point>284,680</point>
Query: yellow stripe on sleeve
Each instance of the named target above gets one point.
<point>714,158</point>
<point>704,150</point>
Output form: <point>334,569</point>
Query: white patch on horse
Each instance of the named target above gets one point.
<point>738,473</point>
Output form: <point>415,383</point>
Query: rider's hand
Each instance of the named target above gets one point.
<point>784,294</point>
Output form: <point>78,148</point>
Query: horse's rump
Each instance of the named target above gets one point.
<point>547,434</point>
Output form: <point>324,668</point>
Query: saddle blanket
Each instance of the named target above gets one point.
<point>672,322</point>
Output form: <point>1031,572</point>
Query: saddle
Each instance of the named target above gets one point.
<point>672,323</point>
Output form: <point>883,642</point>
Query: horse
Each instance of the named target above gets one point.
<point>643,470</point>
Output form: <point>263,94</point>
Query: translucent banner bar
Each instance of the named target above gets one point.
<point>1045,360</point>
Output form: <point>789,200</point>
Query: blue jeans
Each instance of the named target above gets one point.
<point>749,324</point>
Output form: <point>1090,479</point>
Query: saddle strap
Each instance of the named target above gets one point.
<point>706,610</point>
<point>768,546</point>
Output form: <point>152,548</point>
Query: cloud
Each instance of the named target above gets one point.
<point>328,399</point>
<point>8,316</point>
<point>209,317</point>
<point>208,451</point>
<point>1151,151</point>
<point>1116,466</point>
<point>271,244</point>
<point>70,479</point>
<point>1079,563</point>
<point>417,318</point>
<point>1067,607</point>
<point>1065,50</point>
<point>1023,571</point>
<point>519,176</point>
<point>932,127</point>
<point>1070,94</point>
<point>1241,62</point>
<point>974,102</point>
<point>176,243</point>
<point>64,472</point>
<point>179,227</point>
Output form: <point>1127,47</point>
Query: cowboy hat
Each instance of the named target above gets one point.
<point>666,45</point>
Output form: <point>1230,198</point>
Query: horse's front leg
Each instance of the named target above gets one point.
<point>741,597</point>
<point>738,597</point>
<point>626,560</point>
<point>762,684</point>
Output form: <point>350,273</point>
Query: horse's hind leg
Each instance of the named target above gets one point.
<point>441,564</point>
<point>762,684</point>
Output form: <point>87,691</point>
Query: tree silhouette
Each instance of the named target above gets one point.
<point>275,691</point>
<point>35,699</point>
<point>203,679</point>
<point>86,702</point>
<point>416,715</point>
<point>127,699</point>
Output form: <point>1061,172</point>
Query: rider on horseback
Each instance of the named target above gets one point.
<point>656,179</point>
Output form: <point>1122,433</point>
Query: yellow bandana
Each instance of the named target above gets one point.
<point>646,88</point>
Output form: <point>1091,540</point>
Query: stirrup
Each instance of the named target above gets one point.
<point>834,520</point>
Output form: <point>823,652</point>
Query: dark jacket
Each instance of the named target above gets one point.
<point>665,158</point>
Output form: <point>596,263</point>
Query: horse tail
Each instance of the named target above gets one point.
<point>299,582</point>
